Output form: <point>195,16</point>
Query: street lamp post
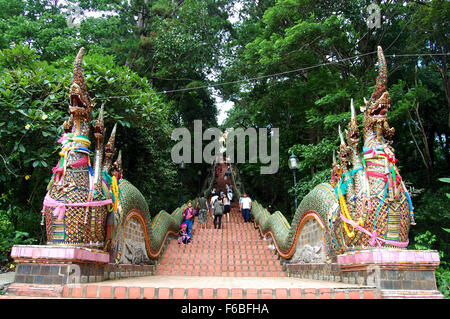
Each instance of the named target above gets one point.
<point>180,198</point>
<point>293,165</point>
<point>199,173</point>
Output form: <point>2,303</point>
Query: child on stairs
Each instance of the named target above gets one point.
<point>183,237</point>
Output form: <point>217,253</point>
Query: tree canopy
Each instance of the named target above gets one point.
<point>289,64</point>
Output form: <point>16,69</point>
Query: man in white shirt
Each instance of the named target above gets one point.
<point>246,206</point>
<point>230,196</point>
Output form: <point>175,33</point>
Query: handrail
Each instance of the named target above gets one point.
<point>236,180</point>
<point>316,204</point>
<point>207,190</point>
<point>161,226</point>
<point>156,229</point>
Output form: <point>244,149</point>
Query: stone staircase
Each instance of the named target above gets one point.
<point>235,250</point>
<point>233,262</point>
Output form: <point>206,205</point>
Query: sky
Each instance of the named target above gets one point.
<point>224,106</point>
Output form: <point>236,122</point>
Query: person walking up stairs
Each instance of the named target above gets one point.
<point>233,262</point>
<point>237,250</point>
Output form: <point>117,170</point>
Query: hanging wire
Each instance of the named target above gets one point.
<point>214,85</point>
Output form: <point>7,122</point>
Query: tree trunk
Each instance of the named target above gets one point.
<point>426,139</point>
<point>446,84</point>
<point>312,139</point>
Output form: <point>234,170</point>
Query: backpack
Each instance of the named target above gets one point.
<point>218,208</point>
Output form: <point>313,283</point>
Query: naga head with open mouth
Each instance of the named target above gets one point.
<point>376,109</point>
<point>379,109</point>
<point>80,102</point>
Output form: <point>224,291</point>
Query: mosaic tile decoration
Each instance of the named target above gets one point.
<point>157,229</point>
<point>367,204</point>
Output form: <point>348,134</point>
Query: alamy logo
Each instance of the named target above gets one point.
<point>73,274</point>
<point>223,145</point>
<point>374,20</point>
<point>374,276</point>
<point>73,20</point>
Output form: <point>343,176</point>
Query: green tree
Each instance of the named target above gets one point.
<point>323,55</point>
<point>33,97</point>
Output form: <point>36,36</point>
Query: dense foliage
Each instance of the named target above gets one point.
<point>287,64</point>
<point>34,105</point>
<point>138,55</point>
<point>306,59</point>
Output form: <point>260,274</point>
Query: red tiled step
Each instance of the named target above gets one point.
<point>217,261</point>
<point>220,273</point>
<point>101,291</point>
<point>219,251</point>
<point>224,264</point>
<point>196,271</point>
<point>235,250</point>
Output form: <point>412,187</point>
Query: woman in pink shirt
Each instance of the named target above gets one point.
<point>189,214</point>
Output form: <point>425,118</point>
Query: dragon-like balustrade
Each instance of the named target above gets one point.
<point>366,203</point>
<point>91,205</point>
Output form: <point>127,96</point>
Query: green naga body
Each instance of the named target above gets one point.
<point>365,205</point>
<point>85,206</point>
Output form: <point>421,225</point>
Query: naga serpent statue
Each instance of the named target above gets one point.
<point>87,207</point>
<point>365,205</point>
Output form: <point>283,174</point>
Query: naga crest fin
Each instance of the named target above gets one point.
<point>110,150</point>
<point>77,71</point>
<point>344,150</point>
<point>352,133</point>
<point>382,68</point>
<point>341,136</point>
<point>117,166</point>
<point>352,109</point>
<point>112,138</point>
<point>99,130</point>
<point>364,108</point>
<point>99,125</point>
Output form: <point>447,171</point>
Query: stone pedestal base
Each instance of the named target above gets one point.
<point>57,253</point>
<point>58,265</point>
<point>398,273</point>
<point>315,271</point>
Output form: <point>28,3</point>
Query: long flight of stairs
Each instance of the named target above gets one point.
<point>231,262</point>
<point>234,250</point>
